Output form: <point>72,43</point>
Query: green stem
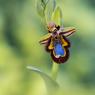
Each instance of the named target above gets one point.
<point>55,68</point>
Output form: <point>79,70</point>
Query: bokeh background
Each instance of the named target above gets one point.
<point>20,30</point>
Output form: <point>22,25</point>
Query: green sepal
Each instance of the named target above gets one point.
<point>57,16</point>
<point>49,10</point>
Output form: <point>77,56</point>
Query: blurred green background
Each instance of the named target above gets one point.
<point>20,30</point>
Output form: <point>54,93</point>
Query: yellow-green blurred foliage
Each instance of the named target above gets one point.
<point>20,30</point>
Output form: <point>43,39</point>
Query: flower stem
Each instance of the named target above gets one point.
<point>55,68</point>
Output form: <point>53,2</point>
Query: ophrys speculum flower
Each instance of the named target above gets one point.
<point>56,42</point>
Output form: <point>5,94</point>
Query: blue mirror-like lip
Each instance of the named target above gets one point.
<point>58,49</point>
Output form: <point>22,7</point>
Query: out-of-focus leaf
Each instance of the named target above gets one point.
<point>50,83</point>
<point>50,9</point>
<point>40,8</point>
<point>45,2</point>
<point>57,16</point>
